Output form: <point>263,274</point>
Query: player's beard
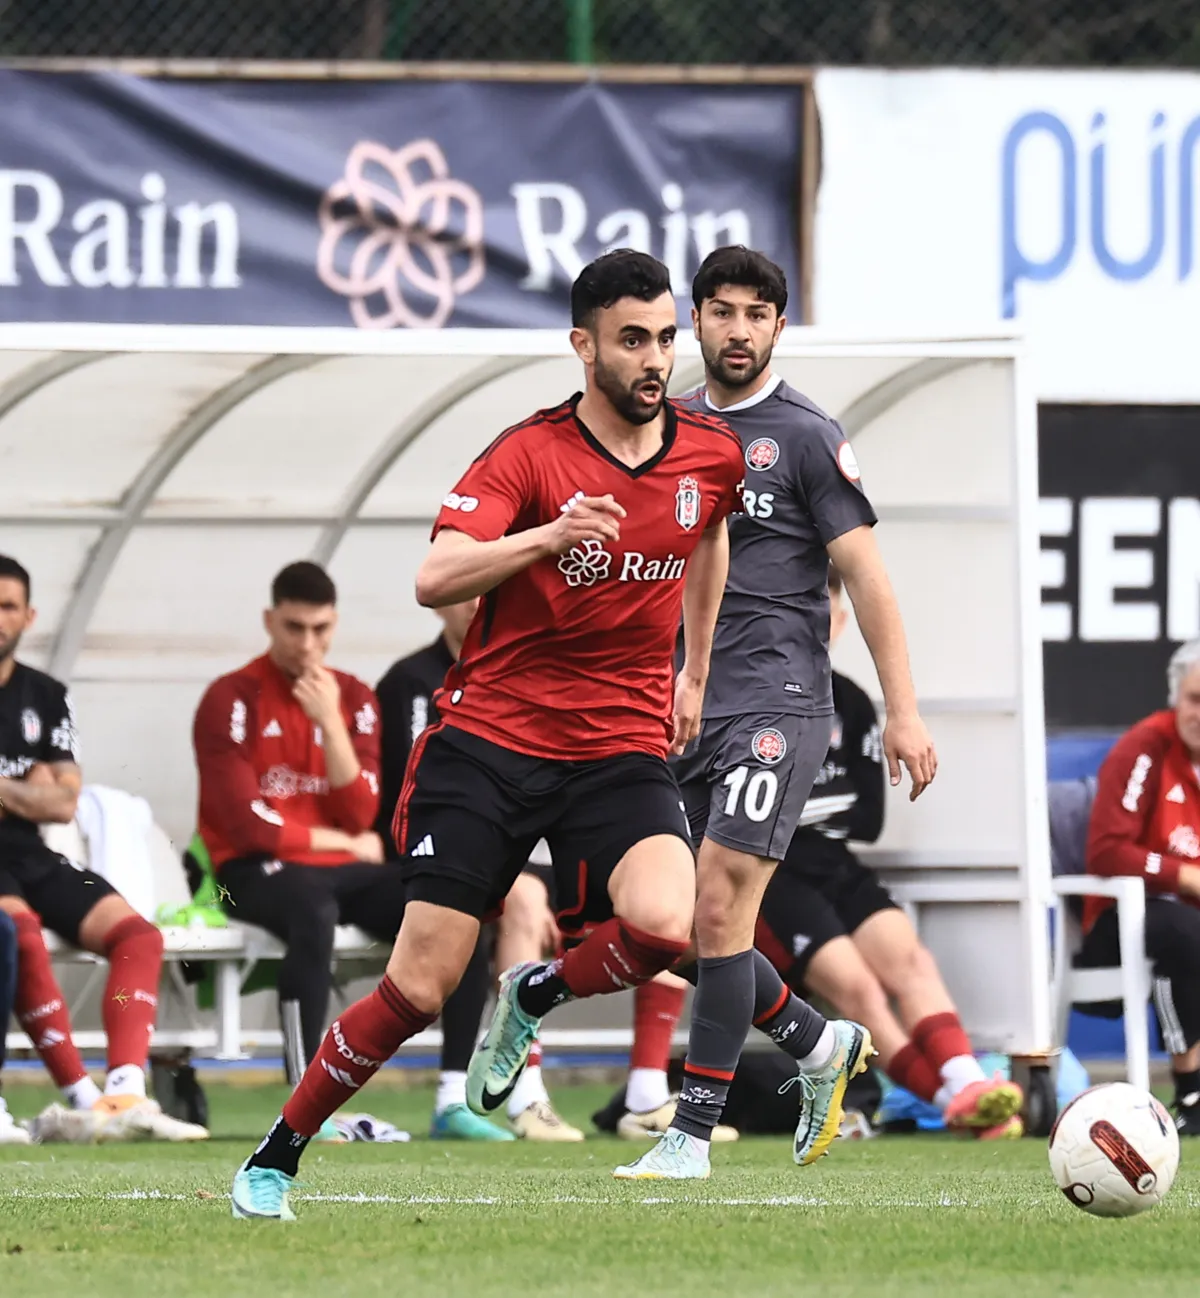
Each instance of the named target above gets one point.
<point>8,648</point>
<point>623,397</point>
<point>714,363</point>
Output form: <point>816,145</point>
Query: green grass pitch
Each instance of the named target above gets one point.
<point>892,1216</point>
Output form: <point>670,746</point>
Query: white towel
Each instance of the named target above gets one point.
<point>117,826</point>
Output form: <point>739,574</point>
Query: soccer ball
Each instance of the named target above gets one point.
<point>1114,1151</point>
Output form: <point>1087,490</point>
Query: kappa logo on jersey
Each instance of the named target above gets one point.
<point>847,462</point>
<point>31,726</point>
<point>464,504</point>
<point>687,503</point>
<point>585,564</point>
<point>762,453</point>
<point>768,746</point>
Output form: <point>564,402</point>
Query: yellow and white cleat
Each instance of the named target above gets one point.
<point>539,1122</point>
<point>824,1091</point>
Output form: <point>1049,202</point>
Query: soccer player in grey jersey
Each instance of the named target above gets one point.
<point>768,708</point>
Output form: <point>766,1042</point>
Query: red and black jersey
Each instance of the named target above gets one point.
<point>1146,814</point>
<point>262,767</point>
<point>571,658</point>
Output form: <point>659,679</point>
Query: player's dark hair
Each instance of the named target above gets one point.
<point>10,568</point>
<point>303,583</point>
<point>621,273</point>
<point>835,580</point>
<point>743,267</point>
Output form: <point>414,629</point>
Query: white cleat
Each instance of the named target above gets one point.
<point>646,1126</point>
<point>676,1157</point>
<point>10,1133</point>
<point>539,1122</point>
<point>119,1120</point>
<point>56,1125</point>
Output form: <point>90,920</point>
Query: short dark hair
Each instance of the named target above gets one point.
<point>303,583</point>
<point>742,266</point>
<point>10,568</point>
<point>835,580</point>
<point>621,273</point>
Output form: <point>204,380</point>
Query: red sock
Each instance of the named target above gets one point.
<point>134,948</point>
<point>40,1007</point>
<point>909,1068</point>
<point>940,1037</point>
<point>615,955</point>
<point>366,1036</point>
<point>656,1012</point>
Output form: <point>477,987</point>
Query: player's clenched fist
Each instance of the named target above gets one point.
<point>591,518</point>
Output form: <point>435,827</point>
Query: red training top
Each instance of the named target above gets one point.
<point>1146,816</point>
<point>262,768</point>
<point>572,658</point>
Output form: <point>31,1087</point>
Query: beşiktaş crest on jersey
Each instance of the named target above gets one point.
<point>687,503</point>
<point>31,726</point>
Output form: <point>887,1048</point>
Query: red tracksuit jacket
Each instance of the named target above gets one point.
<point>1146,816</point>
<point>262,768</point>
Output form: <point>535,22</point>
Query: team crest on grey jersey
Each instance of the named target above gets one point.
<point>687,503</point>
<point>762,453</point>
<point>769,745</point>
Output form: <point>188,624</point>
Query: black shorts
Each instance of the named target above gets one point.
<point>801,913</point>
<point>60,895</point>
<point>471,812</point>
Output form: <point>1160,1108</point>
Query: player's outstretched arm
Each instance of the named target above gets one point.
<point>459,567</point>
<point>705,584</point>
<point>905,737</point>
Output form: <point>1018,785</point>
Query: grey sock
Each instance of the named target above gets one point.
<point>791,1023</point>
<point>721,1014</point>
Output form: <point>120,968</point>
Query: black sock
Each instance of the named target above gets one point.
<point>542,989</point>
<point>1186,1084</point>
<point>281,1149</point>
<point>462,1013</point>
<point>721,1014</point>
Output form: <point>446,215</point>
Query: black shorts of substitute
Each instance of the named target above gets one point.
<point>745,779</point>
<point>471,812</point>
<point>802,913</point>
<point>61,895</point>
<point>1173,948</point>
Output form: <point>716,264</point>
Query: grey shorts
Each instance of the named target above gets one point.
<point>745,779</point>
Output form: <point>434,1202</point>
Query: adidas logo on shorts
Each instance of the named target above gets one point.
<point>424,847</point>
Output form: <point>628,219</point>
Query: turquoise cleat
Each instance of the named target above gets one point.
<point>676,1157</point>
<point>825,1090</point>
<point>457,1122</point>
<point>500,1057</point>
<point>262,1192</point>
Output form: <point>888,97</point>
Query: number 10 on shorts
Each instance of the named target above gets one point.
<point>759,789</point>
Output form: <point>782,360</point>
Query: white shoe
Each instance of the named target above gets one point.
<point>646,1126</point>
<point>122,1118</point>
<point>56,1125</point>
<point>538,1121</point>
<point>10,1133</point>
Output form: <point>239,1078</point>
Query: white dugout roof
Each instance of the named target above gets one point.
<point>153,479</point>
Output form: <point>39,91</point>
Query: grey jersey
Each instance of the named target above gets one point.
<point>771,647</point>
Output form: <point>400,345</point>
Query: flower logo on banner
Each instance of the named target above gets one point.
<point>400,237</point>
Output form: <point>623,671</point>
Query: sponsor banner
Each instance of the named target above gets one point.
<point>1120,564</point>
<point>1068,202</point>
<point>377,205</point>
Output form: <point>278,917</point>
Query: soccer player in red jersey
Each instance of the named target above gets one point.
<point>590,531</point>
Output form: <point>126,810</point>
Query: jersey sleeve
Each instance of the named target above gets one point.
<point>1126,793</point>
<point>230,799</point>
<point>60,741</point>
<point>831,484</point>
<point>353,807</point>
<point>492,493</point>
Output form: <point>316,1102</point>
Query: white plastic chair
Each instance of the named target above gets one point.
<point>1129,982</point>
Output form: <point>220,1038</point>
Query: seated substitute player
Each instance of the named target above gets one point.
<point>590,530</point>
<point>1146,822</point>
<point>768,708</point>
<point>829,927</point>
<point>287,752</point>
<point>40,781</point>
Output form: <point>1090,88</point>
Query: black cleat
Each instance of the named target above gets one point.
<point>1187,1114</point>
